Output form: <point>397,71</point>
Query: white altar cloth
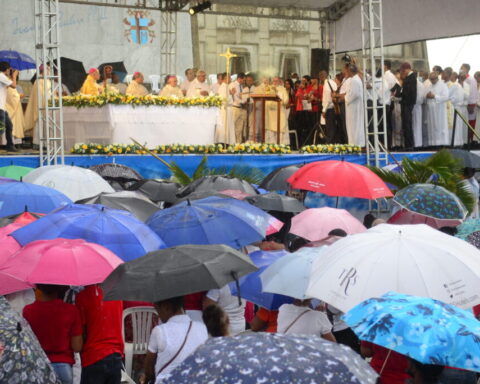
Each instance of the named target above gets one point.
<point>152,125</point>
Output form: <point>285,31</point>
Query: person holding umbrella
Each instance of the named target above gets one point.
<point>5,83</point>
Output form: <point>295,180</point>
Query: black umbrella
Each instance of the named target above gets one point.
<point>73,74</point>
<point>277,180</point>
<point>157,190</point>
<point>176,271</point>
<point>202,195</point>
<point>274,202</point>
<point>19,217</point>
<point>118,176</point>
<point>469,159</point>
<point>117,67</point>
<point>217,183</point>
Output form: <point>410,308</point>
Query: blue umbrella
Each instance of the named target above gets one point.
<point>16,196</point>
<point>115,229</point>
<point>251,285</point>
<point>212,220</point>
<point>272,359</point>
<point>18,60</point>
<point>426,330</point>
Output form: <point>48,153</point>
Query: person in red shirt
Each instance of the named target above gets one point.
<point>391,366</point>
<point>102,334</point>
<point>303,116</point>
<point>58,328</point>
<point>264,321</point>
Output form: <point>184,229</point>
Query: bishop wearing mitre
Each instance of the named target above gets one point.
<point>90,86</point>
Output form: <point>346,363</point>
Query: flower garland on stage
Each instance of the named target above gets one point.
<point>342,149</point>
<point>85,101</point>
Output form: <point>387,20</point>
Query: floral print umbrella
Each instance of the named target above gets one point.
<point>22,359</point>
<point>426,330</point>
<point>431,200</point>
<point>272,358</point>
<point>469,231</point>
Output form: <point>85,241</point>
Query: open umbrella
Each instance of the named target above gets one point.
<point>202,195</point>
<point>18,196</point>
<point>117,173</point>
<point>175,272</point>
<point>469,159</point>
<point>431,200</point>
<point>22,359</point>
<point>277,179</point>
<point>18,60</point>
<point>73,73</point>
<point>8,245</point>
<point>212,220</point>
<point>15,172</point>
<point>251,286</point>
<point>115,229</point>
<point>314,224</point>
<point>404,216</point>
<point>274,202</point>
<point>157,190</point>
<point>426,330</point>
<point>22,219</point>
<point>341,179</point>
<point>131,201</point>
<point>411,259</point>
<point>75,182</point>
<point>217,183</point>
<point>118,67</point>
<point>61,262</point>
<point>272,358</point>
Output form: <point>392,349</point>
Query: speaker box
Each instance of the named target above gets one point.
<point>320,61</point>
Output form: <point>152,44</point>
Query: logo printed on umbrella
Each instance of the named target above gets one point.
<point>347,279</point>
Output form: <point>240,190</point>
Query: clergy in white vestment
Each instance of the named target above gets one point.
<point>225,126</point>
<point>271,110</point>
<point>457,97</point>
<point>354,108</point>
<point>199,87</point>
<point>15,112</point>
<point>417,122</point>
<point>220,79</point>
<point>472,98</point>
<point>436,97</point>
<point>136,87</point>
<point>248,90</point>
<point>190,76</point>
<point>463,108</point>
<point>171,89</point>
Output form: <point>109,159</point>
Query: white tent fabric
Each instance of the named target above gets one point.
<point>412,20</point>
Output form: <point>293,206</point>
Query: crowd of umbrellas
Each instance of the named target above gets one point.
<point>406,287</point>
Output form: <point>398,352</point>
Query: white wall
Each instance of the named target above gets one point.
<point>93,35</point>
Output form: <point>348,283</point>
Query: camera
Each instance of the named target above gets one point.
<point>347,59</point>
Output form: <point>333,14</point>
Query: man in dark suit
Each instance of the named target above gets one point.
<point>409,98</point>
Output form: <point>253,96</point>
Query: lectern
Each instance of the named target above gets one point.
<point>262,99</point>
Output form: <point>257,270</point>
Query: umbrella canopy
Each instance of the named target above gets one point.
<point>8,245</point>
<point>175,272</point>
<point>157,190</point>
<point>274,202</point>
<point>469,159</point>
<point>131,201</point>
<point>80,263</point>
<point>404,216</point>
<point>217,183</point>
<point>15,172</point>
<point>296,268</point>
<point>426,330</point>
<point>340,178</point>
<point>213,220</point>
<point>251,285</point>
<point>431,200</point>
<point>18,196</point>
<point>277,179</point>
<point>314,224</point>
<point>202,195</point>
<point>239,195</point>
<point>117,172</point>
<point>18,60</point>
<point>22,358</point>
<point>75,182</point>
<point>272,358</point>
<point>468,227</point>
<point>118,67</point>
<point>411,259</point>
<point>117,230</point>
<point>73,73</point>
<point>22,219</point>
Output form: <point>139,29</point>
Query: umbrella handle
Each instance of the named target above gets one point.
<point>237,285</point>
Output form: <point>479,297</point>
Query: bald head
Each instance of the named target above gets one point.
<point>201,76</point>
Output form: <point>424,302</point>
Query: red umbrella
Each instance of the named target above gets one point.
<point>404,216</point>
<point>341,179</point>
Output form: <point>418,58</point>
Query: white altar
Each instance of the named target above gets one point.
<point>153,125</point>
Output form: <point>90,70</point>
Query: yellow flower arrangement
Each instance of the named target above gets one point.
<point>332,148</point>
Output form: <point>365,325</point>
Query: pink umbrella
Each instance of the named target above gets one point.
<point>315,223</point>
<point>59,261</point>
<point>235,193</point>
<point>404,216</point>
<point>274,225</point>
<point>8,245</point>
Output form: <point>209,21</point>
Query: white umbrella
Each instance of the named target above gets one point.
<point>410,259</point>
<point>75,182</point>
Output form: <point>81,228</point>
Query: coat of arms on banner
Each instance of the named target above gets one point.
<point>139,23</point>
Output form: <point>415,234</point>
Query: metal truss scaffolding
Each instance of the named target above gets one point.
<point>372,54</point>
<point>168,43</point>
<point>50,114</point>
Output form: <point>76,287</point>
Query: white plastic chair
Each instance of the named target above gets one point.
<point>155,79</point>
<point>128,79</point>
<point>294,133</point>
<point>142,325</point>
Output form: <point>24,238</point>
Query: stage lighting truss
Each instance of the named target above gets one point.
<point>200,7</point>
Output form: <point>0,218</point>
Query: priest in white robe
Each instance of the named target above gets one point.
<point>199,87</point>
<point>171,89</point>
<point>417,122</point>
<point>436,97</point>
<point>457,96</point>
<point>225,126</point>
<point>271,113</point>
<point>136,87</point>
<point>354,108</point>
<point>463,108</point>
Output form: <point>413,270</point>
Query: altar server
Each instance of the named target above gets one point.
<point>136,87</point>
<point>354,108</point>
<point>457,96</point>
<point>171,89</point>
<point>15,112</point>
<point>199,87</point>
<point>90,85</point>
<point>436,97</point>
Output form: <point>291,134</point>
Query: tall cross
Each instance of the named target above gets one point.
<point>138,28</point>
<point>228,55</point>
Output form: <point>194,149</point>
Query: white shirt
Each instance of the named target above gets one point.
<point>229,303</point>
<point>236,100</point>
<point>327,94</point>
<point>311,323</point>
<point>390,78</point>
<point>166,339</point>
<point>196,87</point>
<point>5,82</point>
<point>185,85</point>
<point>214,88</point>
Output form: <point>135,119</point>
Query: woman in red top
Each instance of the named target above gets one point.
<point>58,328</point>
<point>391,366</point>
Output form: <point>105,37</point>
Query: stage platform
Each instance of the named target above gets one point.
<point>149,167</point>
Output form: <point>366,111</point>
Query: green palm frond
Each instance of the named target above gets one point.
<point>200,170</point>
<point>178,174</point>
<point>464,193</point>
